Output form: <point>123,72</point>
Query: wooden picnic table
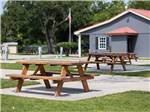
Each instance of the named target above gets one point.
<point>110,59</point>
<point>41,73</point>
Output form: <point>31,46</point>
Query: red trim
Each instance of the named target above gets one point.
<point>122,31</point>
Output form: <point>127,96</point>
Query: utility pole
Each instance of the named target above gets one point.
<point>69,17</point>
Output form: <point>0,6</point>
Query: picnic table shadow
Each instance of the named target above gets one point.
<point>114,79</point>
<point>66,91</point>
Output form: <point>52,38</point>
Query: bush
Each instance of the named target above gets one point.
<point>67,47</point>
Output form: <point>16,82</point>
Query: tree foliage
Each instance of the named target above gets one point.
<point>105,10</point>
<point>32,22</point>
<point>43,22</point>
<point>145,4</point>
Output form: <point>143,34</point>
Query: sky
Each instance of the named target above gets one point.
<point>2,3</point>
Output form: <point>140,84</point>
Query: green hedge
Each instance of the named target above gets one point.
<point>67,47</point>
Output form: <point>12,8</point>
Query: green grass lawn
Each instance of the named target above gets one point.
<point>145,65</point>
<point>6,83</point>
<point>143,58</point>
<point>15,66</point>
<point>139,74</point>
<point>133,101</point>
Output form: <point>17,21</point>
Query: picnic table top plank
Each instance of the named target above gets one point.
<point>111,54</point>
<point>52,62</point>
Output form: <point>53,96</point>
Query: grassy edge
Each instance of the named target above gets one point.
<point>7,83</point>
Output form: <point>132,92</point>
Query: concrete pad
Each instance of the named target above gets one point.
<point>99,86</point>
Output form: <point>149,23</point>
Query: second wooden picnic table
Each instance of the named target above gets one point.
<point>41,73</point>
<point>110,59</point>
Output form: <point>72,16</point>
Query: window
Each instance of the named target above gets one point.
<point>102,41</point>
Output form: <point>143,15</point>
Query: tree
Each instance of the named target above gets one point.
<point>116,7</point>
<point>139,4</point>
<point>50,16</point>
<point>28,21</point>
<point>99,6</point>
<point>17,24</point>
<point>106,10</point>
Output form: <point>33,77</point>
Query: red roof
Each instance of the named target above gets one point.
<point>145,13</point>
<point>139,12</point>
<point>122,31</point>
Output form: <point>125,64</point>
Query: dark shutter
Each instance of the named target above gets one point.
<point>107,43</point>
<point>96,43</point>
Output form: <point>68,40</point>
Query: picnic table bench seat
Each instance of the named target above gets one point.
<point>18,76</point>
<point>72,73</point>
<point>106,62</point>
<point>56,78</point>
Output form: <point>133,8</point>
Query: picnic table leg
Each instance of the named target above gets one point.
<point>129,57</point>
<point>112,64</point>
<point>97,64</point>
<point>86,65</point>
<point>135,57</point>
<point>111,68</point>
<point>46,82</point>
<point>59,88</point>
<point>20,81</point>
<point>122,63</point>
<point>84,82</point>
<point>64,72</point>
<point>19,85</point>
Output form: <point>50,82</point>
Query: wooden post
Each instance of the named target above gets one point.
<point>20,81</point>
<point>59,88</point>
<point>122,62</point>
<point>113,58</point>
<point>86,65</point>
<point>64,72</point>
<point>84,82</point>
<point>42,71</point>
<point>111,68</point>
<point>97,64</point>
<point>79,45</point>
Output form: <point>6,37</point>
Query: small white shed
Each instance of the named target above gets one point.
<point>12,47</point>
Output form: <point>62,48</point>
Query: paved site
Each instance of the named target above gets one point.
<point>99,86</point>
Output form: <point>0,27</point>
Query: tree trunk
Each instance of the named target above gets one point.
<point>49,35</point>
<point>49,44</point>
<point>52,40</point>
<point>49,40</point>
